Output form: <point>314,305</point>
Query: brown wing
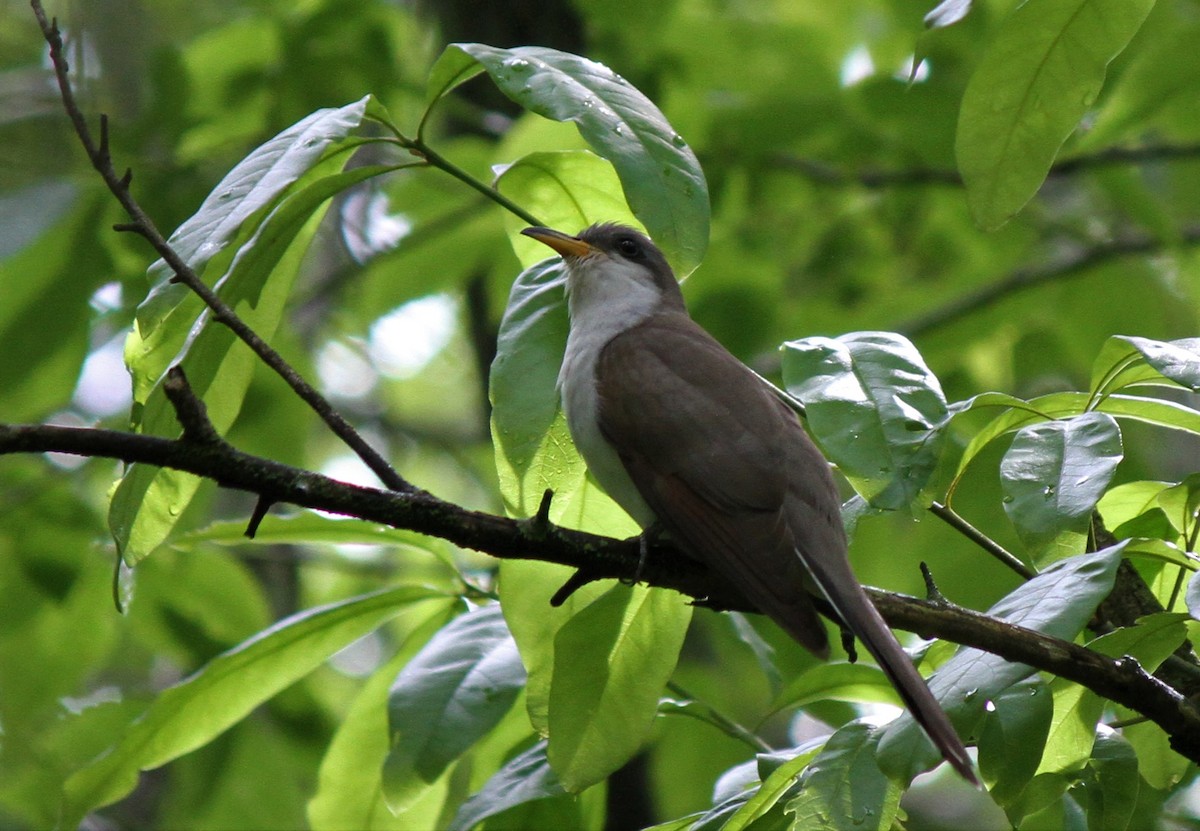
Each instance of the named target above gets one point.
<point>711,466</point>
<point>731,474</point>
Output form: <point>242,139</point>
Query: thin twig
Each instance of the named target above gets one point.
<point>98,154</point>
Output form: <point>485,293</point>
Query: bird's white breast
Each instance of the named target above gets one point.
<point>605,297</point>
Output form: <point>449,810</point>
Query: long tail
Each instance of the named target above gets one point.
<point>857,611</point>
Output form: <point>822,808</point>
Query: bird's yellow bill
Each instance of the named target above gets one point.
<point>564,244</point>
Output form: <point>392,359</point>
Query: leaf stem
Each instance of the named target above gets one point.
<point>723,723</point>
<point>435,159</point>
<point>955,521</point>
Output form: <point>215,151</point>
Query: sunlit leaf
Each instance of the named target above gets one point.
<point>874,407</point>
<point>1076,709</point>
<point>837,682</point>
<point>1065,404</point>
<point>1054,474</point>
<point>662,179</point>
<point>270,204</point>
<point>224,691</point>
<point>568,190</point>
<point>611,662</point>
<point>1125,360</point>
<point>349,789</point>
<point>772,789</point>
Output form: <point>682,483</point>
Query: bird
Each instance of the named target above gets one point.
<point>693,444</point>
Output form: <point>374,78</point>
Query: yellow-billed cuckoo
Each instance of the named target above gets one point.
<point>683,435</point>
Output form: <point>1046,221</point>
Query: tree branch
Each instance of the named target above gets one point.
<point>1027,278</point>
<point>878,178</point>
<point>144,226</point>
<point>1121,680</point>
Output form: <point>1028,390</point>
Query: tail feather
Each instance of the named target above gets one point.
<point>859,614</point>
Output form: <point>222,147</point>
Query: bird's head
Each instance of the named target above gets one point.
<point>610,264</point>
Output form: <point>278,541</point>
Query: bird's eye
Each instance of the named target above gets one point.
<point>628,247</point>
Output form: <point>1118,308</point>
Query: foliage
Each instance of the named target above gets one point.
<point>333,175</point>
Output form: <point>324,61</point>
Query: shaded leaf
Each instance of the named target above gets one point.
<point>1038,77</point>
<point>1054,474</point>
<point>1011,732</point>
<point>843,787</point>
<point>1110,784</point>
<point>455,690</point>
<point>526,777</point>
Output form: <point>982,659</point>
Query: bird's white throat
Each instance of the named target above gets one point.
<point>605,297</point>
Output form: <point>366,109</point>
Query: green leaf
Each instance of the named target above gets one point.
<point>525,778</point>
<point>525,589</point>
<point>1038,77</point>
<point>611,662</point>
<point>661,177</point>
<point>1124,361</point>
<point>528,431</point>
<point>1054,474</point>
<point>1012,730</point>
<point>1109,790</point>
<point>874,407</point>
<point>837,682</point>
<point>764,653</point>
<point>570,190</point>
<point>843,788</point>
<point>1181,503</point>
<point>1129,500</point>
<point>773,788</point>
<point>349,791</point>
<point>455,690</point>
<point>1057,602</point>
<point>44,315</point>
<point>276,195</point>
<point>1077,709</point>
<point>226,689</point>
<point>1066,404</point>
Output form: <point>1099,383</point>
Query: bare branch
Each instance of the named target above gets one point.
<point>222,312</point>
